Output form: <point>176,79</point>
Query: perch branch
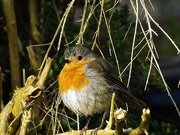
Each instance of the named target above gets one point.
<point>109,125</point>
<point>120,121</point>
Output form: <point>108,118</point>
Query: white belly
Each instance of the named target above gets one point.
<point>95,98</point>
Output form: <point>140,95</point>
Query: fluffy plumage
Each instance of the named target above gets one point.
<point>87,82</point>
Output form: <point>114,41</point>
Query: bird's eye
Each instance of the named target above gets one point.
<point>79,57</point>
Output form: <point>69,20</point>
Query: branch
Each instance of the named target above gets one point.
<point>8,9</point>
<point>21,102</point>
<point>120,120</point>
<point>33,16</point>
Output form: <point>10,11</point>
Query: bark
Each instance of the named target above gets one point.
<point>8,9</point>
<point>33,14</point>
<point>35,35</point>
<point>120,120</point>
<point>17,114</point>
<point>35,58</point>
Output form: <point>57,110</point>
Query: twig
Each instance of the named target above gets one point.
<point>133,44</point>
<point>62,22</point>
<point>59,19</point>
<point>81,33</point>
<point>80,39</point>
<point>22,99</point>
<point>25,120</point>
<point>153,55</point>
<point>112,44</point>
<point>109,125</point>
<point>178,50</point>
<point>99,24</point>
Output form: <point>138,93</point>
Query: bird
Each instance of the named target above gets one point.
<point>87,81</point>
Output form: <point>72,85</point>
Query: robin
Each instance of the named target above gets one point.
<point>87,81</point>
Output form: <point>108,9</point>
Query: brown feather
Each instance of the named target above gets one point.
<point>104,68</point>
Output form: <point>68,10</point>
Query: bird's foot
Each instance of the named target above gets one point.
<point>94,132</point>
<point>84,130</point>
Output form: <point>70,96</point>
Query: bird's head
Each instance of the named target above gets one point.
<point>78,54</point>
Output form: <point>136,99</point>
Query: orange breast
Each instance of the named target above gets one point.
<point>72,77</point>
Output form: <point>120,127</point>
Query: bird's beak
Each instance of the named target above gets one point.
<point>68,59</point>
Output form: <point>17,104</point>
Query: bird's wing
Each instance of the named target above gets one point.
<point>105,69</point>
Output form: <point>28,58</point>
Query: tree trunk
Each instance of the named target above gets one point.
<point>33,16</point>
<point>8,9</point>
